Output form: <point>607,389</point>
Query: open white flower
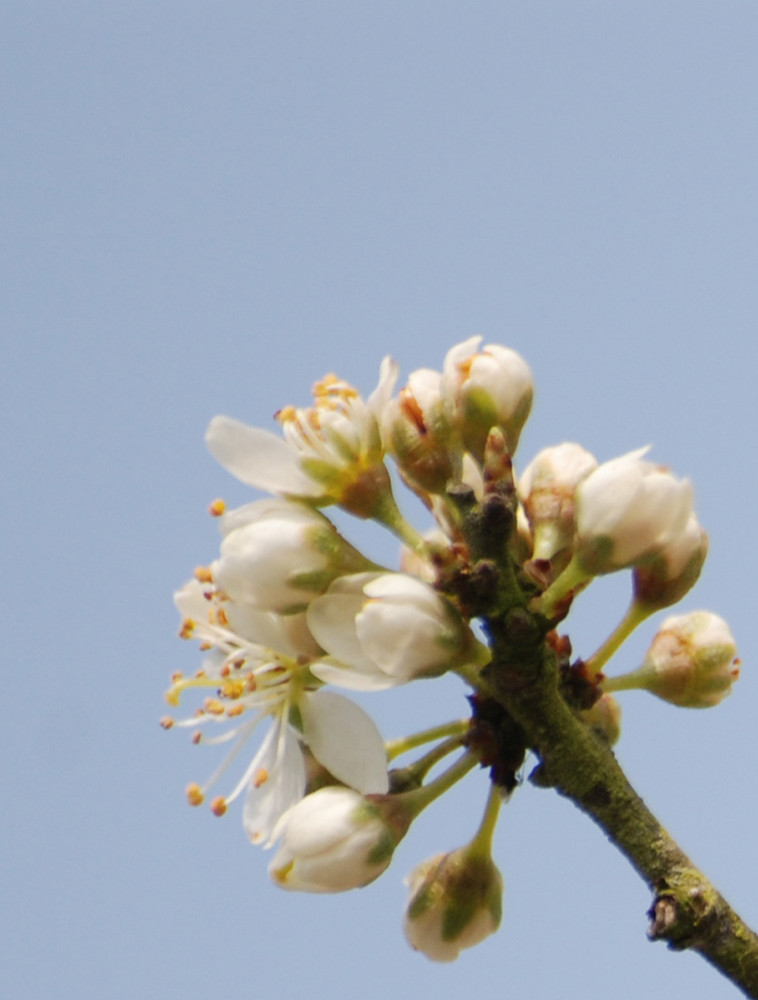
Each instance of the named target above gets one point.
<point>331,452</point>
<point>257,668</point>
<point>384,629</point>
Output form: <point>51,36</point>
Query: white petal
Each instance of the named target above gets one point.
<point>331,619</point>
<point>345,740</point>
<point>332,671</point>
<point>379,398</point>
<point>258,458</point>
<point>280,761</point>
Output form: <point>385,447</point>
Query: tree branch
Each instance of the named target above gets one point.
<point>687,911</point>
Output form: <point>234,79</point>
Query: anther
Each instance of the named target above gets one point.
<point>194,795</point>
<point>218,806</point>
<point>217,508</point>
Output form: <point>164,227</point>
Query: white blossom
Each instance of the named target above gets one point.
<point>277,554</point>
<point>547,488</point>
<point>692,661</point>
<point>627,509</point>
<point>262,672</point>
<point>330,452</point>
<point>455,902</point>
<point>484,389</point>
<point>384,629</point>
<point>331,841</point>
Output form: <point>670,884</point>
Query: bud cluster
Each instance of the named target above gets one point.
<point>290,615</point>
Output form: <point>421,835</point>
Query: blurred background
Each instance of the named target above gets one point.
<point>206,207</point>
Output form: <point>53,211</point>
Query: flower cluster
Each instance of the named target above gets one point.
<point>291,614</point>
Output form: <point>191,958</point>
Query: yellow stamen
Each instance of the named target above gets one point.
<point>203,574</point>
<point>194,795</point>
<point>260,777</point>
<point>218,806</point>
<point>232,689</point>
<point>213,706</point>
<point>188,627</point>
<point>217,508</point>
<point>285,414</point>
<point>167,722</point>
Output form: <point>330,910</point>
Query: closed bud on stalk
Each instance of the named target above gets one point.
<point>627,510</point>
<point>456,901</point>
<point>416,431</point>
<point>547,489</point>
<point>276,555</point>
<point>384,629</point>
<point>667,576</point>
<point>692,662</point>
<point>336,839</point>
<point>484,389</point>
<point>604,718</point>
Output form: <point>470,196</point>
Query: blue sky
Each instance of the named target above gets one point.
<point>208,206</point>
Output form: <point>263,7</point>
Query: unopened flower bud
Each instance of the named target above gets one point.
<point>604,718</point>
<point>691,662</point>
<point>628,509</point>
<point>484,389</point>
<point>335,839</point>
<point>417,433</point>
<point>547,489</point>
<point>455,902</point>
<point>667,576</point>
<point>383,629</point>
<point>277,555</point>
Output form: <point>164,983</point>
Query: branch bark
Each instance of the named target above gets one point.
<point>687,911</point>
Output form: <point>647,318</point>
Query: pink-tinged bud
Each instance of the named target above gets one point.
<point>484,389</point>
<point>604,718</point>
<point>667,576</point>
<point>627,510</point>
<point>456,901</point>
<point>335,839</point>
<point>692,662</point>
<point>547,489</point>
<point>417,434</point>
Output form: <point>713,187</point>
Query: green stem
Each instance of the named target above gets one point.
<point>387,512</point>
<point>573,576</point>
<point>418,799</point>
<point>635,615</point>
<point>482,840</point>
<point>634,680</point>
<point>401,745</point>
